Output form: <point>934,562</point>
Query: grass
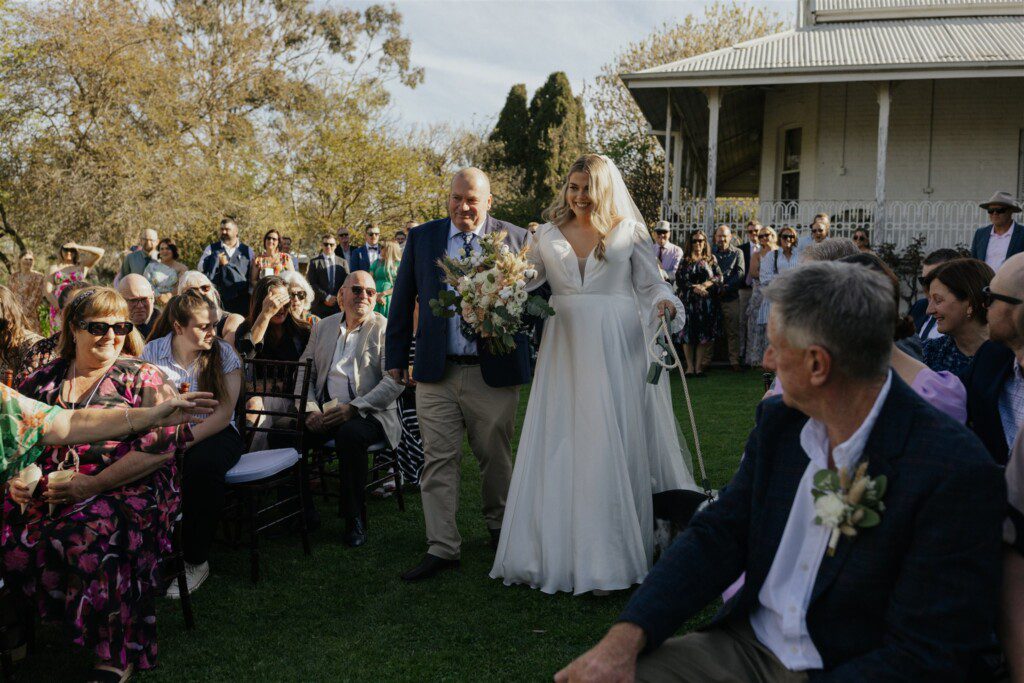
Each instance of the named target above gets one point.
<point>343,614</point>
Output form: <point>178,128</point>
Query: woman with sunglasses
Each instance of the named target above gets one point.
<point>87,553</point>
<point>73,264</point>
<point>272,261</point>
<point>697,280</point>
<point>862,240</point>
<point>301,294</point>
<point>227,323</point>
<point>956,300</point>
<point>779,261</point>
<point>27,285</point>
<point>757,334</point>
<point>186,348</point>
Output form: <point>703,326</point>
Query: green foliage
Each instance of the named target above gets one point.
<point>513,128</point>
<point>557,137</point>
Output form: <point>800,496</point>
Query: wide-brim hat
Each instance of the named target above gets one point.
<point>662,226</point>
<point>1002,199</point>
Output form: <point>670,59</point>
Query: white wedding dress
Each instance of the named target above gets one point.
<point>598,440</point>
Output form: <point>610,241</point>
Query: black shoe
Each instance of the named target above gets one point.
<point>495,537</point>
<point>429,567</point>
<point>355,533</point>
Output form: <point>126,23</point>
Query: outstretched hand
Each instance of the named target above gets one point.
<point>194,406</point>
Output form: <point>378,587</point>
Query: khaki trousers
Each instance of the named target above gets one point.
<point>724,654</point>
<point>462,402</point>
<point>731,320</point>
<point>744,303</point>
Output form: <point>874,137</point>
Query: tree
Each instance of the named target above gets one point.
<point>619,129</point>
<point>513,128</point>
<point>558,136</point>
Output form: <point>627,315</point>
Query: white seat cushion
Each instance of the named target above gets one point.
<point>261,464</point>
<point>378,447</point>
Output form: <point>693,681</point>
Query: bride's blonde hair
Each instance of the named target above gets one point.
<point>600,191</point>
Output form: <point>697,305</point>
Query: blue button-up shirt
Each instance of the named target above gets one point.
<point>1011,404</point>
<point>458,345</point>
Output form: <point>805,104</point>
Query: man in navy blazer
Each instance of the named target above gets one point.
<point>910,599</point>
<point>365,256</point>
<point>460,386</point>
<point>1003,237</point>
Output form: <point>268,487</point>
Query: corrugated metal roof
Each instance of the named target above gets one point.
<point>858,5</point>
<point>981,41</point>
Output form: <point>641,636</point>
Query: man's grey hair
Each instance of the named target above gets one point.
<point>844,307</point>
<point>831,249</point>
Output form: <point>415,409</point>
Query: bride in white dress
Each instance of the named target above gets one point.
<point>598,440</point>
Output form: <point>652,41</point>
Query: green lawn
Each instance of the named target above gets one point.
<point>343,614</point>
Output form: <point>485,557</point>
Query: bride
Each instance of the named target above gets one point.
<point>598,440</point>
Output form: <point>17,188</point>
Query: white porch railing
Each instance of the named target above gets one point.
<point>943,223</point>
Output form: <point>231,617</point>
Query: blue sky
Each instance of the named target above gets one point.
<point>473,51</point>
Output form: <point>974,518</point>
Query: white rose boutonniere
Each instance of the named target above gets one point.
<point>843,506</point>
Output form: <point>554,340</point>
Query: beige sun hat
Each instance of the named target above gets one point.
<point>662,226</point>
<point>1002,199</point>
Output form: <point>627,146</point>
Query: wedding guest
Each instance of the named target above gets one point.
<point>749,247</point>
<point>286,248</point>
<point>773,264</point>
<point>924,323</point>
<point>271,261</point>
<point>16,335</point>
<point>74,263</point>
<point>697,281</point>
<point>734,272</point>
<point>94,563</point>
<point>326,273</point>
<point>820,227</point>
<point>384,270</point>
<point>27,285</point>
<point>139,294</point>
<point>137,261</point>
<point>995,379</point>
<point>1002,237</point>
<point>348,353</point>
<point>401,236</point>
<point>669,255</point>
<point>344,248</point>
<point>186,349</point>
<point>831,249</point>
<point>1012,611</point>
<point>227,264</point>
<point>43,351</point>
<point>803,614</point>
<point>164,272</point>
<point>364,257</point>
<point>757,336</point>
<point>862,239</point>
<point>227,323</point>
<point>301,295</point>
<point>957,302</point>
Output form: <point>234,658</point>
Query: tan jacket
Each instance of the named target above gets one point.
<point>376,392</point>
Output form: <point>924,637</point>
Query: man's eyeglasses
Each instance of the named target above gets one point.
<point>298,295</point>
<point>998,211</point>
<point>98,329</point>
<point>359,290</point>
<point>988,297</point>
<point>139,301</point>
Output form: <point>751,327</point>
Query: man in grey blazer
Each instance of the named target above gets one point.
<point>352,400</point>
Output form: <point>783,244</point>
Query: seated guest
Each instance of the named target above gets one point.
<point>924,323</point>
<point>956,301</point>
<point>227,322</point>
<point>16,335</point>
<point>186,348</point>
<point>142,310</point>
<point>94,562</point>
<point>348,368</point>
<point>301,295</point>
<point>995,380</point>
<point>911,598</point>
<point>43,351</point>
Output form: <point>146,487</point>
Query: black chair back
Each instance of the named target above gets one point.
<point>279,379</point>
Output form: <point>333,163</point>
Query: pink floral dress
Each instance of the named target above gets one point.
<point>95,565</point>
<point>62,279</point>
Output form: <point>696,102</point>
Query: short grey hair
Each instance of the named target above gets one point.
<point>831,249</point>
<point>292,277</point>
<point>844,307</point>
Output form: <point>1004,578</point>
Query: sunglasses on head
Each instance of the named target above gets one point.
<point>98,329</point>
<point>359,290</point>
<point>997,211</point>
<point>988,297</point>
<point>298,294</point>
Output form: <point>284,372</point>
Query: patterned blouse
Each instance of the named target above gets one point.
<point>943,354</point>
<point>23,422</point>
<point>266,263</point>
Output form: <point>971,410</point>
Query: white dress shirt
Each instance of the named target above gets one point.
<point>458,345</point>
<point>998,245</point>
<point>341,376</point>
<point>780,621</point>
<point>373,252</point>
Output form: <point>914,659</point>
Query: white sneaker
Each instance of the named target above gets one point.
<point>195,574</point>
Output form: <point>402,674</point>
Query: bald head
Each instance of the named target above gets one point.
<point>137,291</point>
<point>1009,278</point>
<point>1003,316</point>
<point>355,299</point>
<point>472,177</point>
<point>469,199</point>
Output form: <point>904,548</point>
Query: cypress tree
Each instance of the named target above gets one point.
<point>513,128</point>
<point>557,137</point>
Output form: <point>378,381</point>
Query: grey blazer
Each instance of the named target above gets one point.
<point>376,392</point>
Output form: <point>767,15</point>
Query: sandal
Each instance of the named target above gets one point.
<point>108,674</point>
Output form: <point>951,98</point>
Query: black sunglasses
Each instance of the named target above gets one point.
<point>98,329</point>
<point>999,211</point>
<point>988,297</point>
<point>328,244</point>
<point>299,294</point>
<point>787,237</point>
<point>359,290</point>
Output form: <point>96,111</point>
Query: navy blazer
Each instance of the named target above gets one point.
<point>912,599</point>
<point>232,280</point>
<point>979,246</point>
<point>991,366</point>
<point>420,278</point>
<point>359,259</point>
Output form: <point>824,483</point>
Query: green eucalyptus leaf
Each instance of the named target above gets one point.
<point>826,480</point>
<point>870,518</point>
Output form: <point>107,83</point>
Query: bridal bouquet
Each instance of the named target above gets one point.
<point>843,505</point>
<point>488,289</point>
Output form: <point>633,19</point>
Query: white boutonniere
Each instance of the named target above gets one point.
<point>844,506</point>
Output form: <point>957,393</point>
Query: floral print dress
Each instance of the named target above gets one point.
<point>61,279</point>
<point>703,313</point>
<point>22,424</point>
<point>95,565</point>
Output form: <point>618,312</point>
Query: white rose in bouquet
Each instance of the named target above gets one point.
<point>520,296</point>
<point>506,293</point>
<point>489,286</point>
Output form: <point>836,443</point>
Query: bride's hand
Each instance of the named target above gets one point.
<point>666,309</point>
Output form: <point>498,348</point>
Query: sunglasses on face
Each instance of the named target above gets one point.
<point>998,211</point>
<point>98,329</point>
<point>860,238</point>
<point>298,295</point>
<point>359,291</point>
<point>329,244</point>
<point>373,234</point>
<point>988,297</point>
<point>699,240</point>
<point>787,237</point>
<point>817,230</point>
<point>763,237</point>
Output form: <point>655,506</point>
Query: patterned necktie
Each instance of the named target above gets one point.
<point>467,243</point>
